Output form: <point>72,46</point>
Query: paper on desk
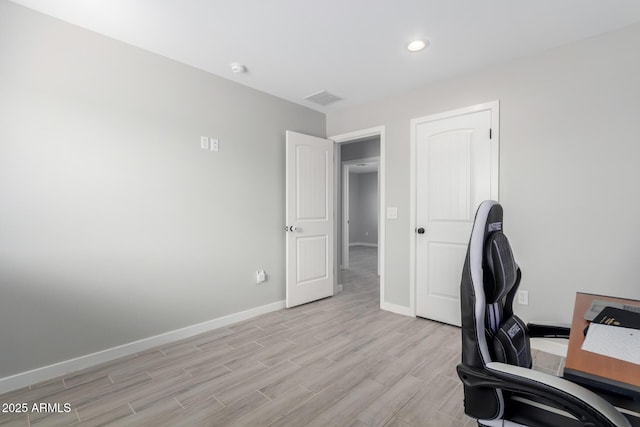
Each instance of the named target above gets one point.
<point>613,341</point>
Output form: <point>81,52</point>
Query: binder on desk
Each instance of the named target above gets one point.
<point>618,317</point>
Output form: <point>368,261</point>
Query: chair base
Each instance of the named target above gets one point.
<point>529,413</point>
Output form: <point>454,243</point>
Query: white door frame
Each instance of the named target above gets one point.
<point>493,106</point>
<point>346,165</point>
<point>351,137</point>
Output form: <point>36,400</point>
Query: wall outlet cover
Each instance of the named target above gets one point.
<point>523,297</point>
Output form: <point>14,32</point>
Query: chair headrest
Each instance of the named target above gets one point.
<point>500,268</point>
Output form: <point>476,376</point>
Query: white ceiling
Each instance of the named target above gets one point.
<point>355,49</point>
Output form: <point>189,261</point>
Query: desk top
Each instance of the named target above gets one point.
<point>595,366</point>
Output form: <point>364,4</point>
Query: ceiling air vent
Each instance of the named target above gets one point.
<point>323,98</point>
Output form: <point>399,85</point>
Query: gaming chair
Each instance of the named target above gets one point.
<point>500,389</point>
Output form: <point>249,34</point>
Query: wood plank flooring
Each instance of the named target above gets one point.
<point>340,361</point>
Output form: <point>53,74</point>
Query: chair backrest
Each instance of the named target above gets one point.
<point>490,330</point>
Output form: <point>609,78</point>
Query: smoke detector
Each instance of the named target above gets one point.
<point>238,68</point>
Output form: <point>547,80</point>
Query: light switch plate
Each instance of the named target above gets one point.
<point>214,144</point>
<point>204,142</point>
<point>392,213</point>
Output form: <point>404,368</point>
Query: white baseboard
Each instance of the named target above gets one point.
<point>369,245</point>
<point>398,309</point>
<point>45,373</point>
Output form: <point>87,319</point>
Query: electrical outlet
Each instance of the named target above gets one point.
<point>523,297</point>
<point>260,276</point>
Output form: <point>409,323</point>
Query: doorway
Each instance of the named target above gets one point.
<point>360,209</point>
<point>352,152</point>
<point>360,205</point>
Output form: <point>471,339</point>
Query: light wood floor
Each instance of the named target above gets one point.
<point>335,362</point>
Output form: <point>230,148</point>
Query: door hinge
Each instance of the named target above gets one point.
<point>490,133</point>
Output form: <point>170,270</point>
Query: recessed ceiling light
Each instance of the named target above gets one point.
<point>238,68</point>
<point>417,45</point>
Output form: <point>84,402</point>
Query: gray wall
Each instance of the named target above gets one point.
<point>360,149</point>
<point>569,174</point>
<point>363,208</point>
<point>114,224</point>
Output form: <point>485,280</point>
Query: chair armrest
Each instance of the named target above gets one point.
<point>578,401</point>
<point>538,330</point>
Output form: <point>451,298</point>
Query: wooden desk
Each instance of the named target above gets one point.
<point>594,370</point>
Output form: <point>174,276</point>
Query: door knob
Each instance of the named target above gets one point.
<point>294,228</point>
<point>420,230</point>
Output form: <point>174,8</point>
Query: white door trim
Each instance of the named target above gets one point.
<point>349,137</point>
<point>494,107</point>
<point>345,205</point>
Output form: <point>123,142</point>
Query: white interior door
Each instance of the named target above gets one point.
<point>456,170</point>
<point>309,218</point>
